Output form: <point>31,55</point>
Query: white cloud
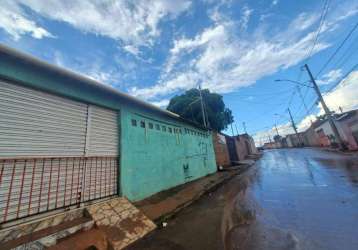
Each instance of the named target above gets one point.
<point>330,77</point>
<point>96,69</point>
<point>223,62</point>
<point>15,22</point>
<point>306,122</point>
<point>274,2</point>
<point>134,22</point>
<point>263,136</point>
<point>162,104</point>
<point>132,49</point>
<point>345,95</point>
<point>245,17</point>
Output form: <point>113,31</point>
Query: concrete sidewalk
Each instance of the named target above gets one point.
<point>163,205</point>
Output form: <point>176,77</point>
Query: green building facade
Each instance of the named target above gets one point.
<point>157,149</point>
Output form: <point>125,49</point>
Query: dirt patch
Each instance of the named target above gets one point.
<point>113,233</point>
<point>131,224</point>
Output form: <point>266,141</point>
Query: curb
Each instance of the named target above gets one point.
<point>210,189</point>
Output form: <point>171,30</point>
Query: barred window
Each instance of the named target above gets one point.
<point>134,122</point>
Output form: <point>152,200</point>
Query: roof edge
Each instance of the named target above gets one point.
<point>80,77</point>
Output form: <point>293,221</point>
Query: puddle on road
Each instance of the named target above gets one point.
<point>295,199</point>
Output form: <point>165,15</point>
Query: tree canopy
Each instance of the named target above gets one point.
<point>188,106</point>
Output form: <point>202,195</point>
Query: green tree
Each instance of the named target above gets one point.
<point>188,106</point>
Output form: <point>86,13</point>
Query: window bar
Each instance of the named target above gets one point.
<point>78,198</point>
<point>115,191</point>
<point>64,195</point>
<point>83,180</point>
<point>100,180</point>
<point>73,169</point>
<point>32,186</point>
<point>41,182</point>
<point>105,176</point>
<point>21,189</point>
<point>95,180</point>
<point>58,180</point>
<point>110,176</point>
<point>49,185</point>
<point>10,189</point>
<point>90,182</point>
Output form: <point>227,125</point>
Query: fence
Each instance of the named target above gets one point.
<point>30,186</point>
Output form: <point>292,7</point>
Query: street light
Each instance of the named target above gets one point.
<point>295,82</point>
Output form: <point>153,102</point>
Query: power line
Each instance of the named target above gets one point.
<point>337,50</point>
<point>310,51</point>
<point>303,101</point>
<point>330,59</point>
<point>342,80</point>
<point>291,98</point>
<point>339,82</point>
<point>346,55</point>
<point>322,19</point>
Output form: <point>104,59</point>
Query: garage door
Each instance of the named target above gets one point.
<point>54,152</point>
<point>35,123</point>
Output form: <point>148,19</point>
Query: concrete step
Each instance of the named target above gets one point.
<point>45,233</point>
<point>83,240</point>
<point>120,221</point>
<point>114,224</point>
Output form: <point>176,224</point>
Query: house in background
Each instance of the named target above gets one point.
<point>320,134</point>
<point>269,145</point>
<point>221,150</point>
<point>347,126</point>
<point>310,136</point>
<point>294,140</point>
<point>229,150</point>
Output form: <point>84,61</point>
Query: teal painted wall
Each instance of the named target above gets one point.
<point>150,160</point>
<point>154,160</point>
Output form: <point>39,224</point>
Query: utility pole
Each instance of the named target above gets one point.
<point>202,107</point>
<point>276,129</point>
<point>325,108</point>
<point>294,125</point>
<point>244,125</point>
<point>232,130</point>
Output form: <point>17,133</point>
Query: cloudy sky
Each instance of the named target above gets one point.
<point>155,49</point>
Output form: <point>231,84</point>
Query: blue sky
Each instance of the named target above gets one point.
<point>156,49</point>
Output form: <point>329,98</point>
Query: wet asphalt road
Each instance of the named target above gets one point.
<point>291,199</point>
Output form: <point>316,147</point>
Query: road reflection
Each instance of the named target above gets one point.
<point>294,199</point>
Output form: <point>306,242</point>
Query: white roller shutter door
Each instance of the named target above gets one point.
<point>35,123</point>
<point>44,129</point>
<point>103,132</point>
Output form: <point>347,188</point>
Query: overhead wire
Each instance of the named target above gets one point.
<point>309,54</point>
<point>347,54</point>
<point>322,20</point>
<point>337,50</point>
<point>342,80</point>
